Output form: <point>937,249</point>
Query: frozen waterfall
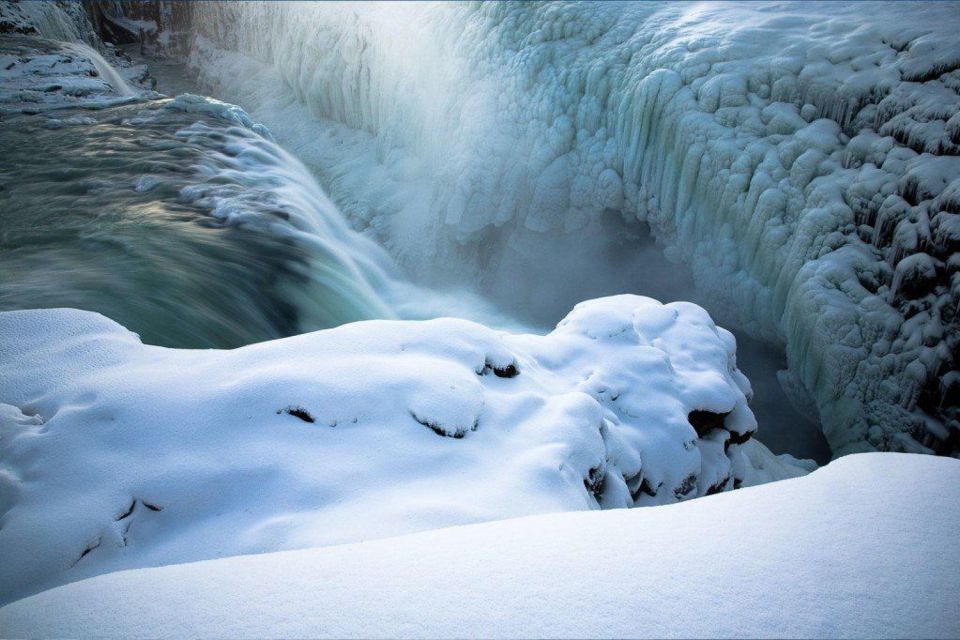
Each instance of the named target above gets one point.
<point>803,162</point>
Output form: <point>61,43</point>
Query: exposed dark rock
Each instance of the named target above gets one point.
<point>128,511</point>
<point>704,421</point>
<point>594,482</point>
<point>686,487</point>
<point>298,412</point>
<point>508,371</point>
<point>718,487</point>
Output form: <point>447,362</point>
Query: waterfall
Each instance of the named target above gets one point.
<point>499,131</point>
<point>104,68</point>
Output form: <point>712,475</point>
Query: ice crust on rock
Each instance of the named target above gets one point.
<point>794,154</point>
<point>115,454</point>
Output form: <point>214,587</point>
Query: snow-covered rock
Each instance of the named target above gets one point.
<point>793,153</point>
<point>115,454</point>
<point>858,549</point>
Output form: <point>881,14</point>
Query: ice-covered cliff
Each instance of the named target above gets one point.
<point>115,454</point>
<point>802,158</point>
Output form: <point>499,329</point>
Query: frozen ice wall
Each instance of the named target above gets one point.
<point>802,158</point>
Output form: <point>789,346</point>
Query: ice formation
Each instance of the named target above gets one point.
<point>801,157</point>
<point>116,454</point>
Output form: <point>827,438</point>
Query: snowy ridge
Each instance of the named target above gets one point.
<point>786,560</point>
<point>114,454</point>
<point>802,158</point>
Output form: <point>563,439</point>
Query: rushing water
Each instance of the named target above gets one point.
<point>104,68</point>
<point>192,231</point>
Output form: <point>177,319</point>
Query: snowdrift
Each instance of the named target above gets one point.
<point>860,548</point>
<point>115,454</point>
<point>803,158</point>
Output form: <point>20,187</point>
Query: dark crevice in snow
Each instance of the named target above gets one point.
<point>456,432</point>
<point>686,487</point>
<point>509,371</point>
<point>738,438</point>
<point>704,421</point>
<point>298,412</point>
<point>128,511</point>
<point>90,547</point>
<point>646,489</point>
<point>594,482</point>
<point>718,486</point>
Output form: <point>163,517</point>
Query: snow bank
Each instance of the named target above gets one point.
<point>793,153</point>
<point>114,454</point>
<point>855,549</point>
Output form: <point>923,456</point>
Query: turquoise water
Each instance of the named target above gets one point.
<point>189,230</point>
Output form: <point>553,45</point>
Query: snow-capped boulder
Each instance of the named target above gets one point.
<point>116,454</point>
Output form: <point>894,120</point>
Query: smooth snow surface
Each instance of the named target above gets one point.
<point>801,157</point>
<point>114,454</point>
<point>861,548</point>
